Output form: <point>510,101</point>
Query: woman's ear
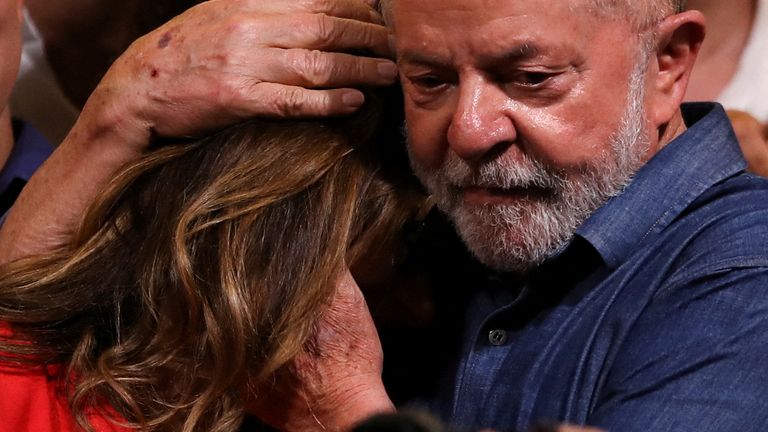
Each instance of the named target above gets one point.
<point>678,39</point>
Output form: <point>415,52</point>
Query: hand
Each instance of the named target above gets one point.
<point>220,62</point>
<point>336,382</point>
<point>753,139</point>
<point>226,60</point>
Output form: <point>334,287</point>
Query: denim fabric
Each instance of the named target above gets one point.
<point>654,318</point>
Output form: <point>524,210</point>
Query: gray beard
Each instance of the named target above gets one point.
<point>518,236</point>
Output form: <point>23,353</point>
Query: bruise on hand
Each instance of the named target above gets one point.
<point>165,40</point>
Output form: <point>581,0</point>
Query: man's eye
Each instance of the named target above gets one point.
<point>427,83</point>
<point>531,79</point>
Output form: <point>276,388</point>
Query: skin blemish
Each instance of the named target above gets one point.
<point>154,73</point>
<point>165,40</point>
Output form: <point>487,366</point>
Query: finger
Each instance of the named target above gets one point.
<point>284,101</point>
<point>318,69</point>
<point>352,9</point>
<point>327,33</point>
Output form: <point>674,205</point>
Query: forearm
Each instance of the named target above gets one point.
<point>52,204</point>
<point>213,66</point>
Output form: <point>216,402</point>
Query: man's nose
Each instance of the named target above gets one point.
<point>480,123</point>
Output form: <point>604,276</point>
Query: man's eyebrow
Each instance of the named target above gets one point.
<point>414,57</point>
<point>512,55</point>
<point>522,51</point>
<point>517,52</point>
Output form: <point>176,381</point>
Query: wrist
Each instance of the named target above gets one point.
<point>111,123</point>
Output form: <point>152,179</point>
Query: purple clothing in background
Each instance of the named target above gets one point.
<point>30,150</point>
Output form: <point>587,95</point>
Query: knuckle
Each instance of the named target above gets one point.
<point>315,68</point>
<point>325,30</point>
<point>288,103</point>
<point>234,24</point>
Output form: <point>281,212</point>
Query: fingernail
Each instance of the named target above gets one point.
<point>353,99</point>
<point>387,70</point>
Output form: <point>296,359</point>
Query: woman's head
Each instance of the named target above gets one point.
<point>205,265</point>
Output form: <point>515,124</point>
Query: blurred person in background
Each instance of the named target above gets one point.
<point>22,148</point>
<point>69,45</point>
<point>733,70</point>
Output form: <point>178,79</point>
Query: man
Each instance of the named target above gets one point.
<point>552,136</point>
<point>22,149</point>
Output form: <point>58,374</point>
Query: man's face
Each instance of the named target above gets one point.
<point>522,119</point>
<point>10,46</point>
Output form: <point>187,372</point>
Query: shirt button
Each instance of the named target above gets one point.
<point>497,337</point>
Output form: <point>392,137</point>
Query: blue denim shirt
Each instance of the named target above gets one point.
<point>654,318</point>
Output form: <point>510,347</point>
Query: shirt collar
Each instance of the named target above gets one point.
<point>703,155</point>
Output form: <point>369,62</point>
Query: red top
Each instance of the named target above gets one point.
<point>30,401</point>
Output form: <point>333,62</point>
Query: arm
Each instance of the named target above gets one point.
<point>220,62</point>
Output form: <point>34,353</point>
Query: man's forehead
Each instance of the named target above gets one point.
<point>639,12</point>
<point>462,14</point>
<point>490,5</point>
<point>516,29</point>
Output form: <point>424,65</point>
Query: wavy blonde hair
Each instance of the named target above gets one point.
<point>204,266</point>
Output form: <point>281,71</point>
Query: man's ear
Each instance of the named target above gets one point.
<point>679,38</point>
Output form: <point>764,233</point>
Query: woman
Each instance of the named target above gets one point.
<point>203,267</point>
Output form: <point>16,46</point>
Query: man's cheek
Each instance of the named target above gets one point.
<point>425,146</point>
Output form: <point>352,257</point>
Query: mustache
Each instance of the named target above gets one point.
<point>501,173</point>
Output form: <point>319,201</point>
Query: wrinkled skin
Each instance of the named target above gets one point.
<point>220,62</point>
<point>336,382</point>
